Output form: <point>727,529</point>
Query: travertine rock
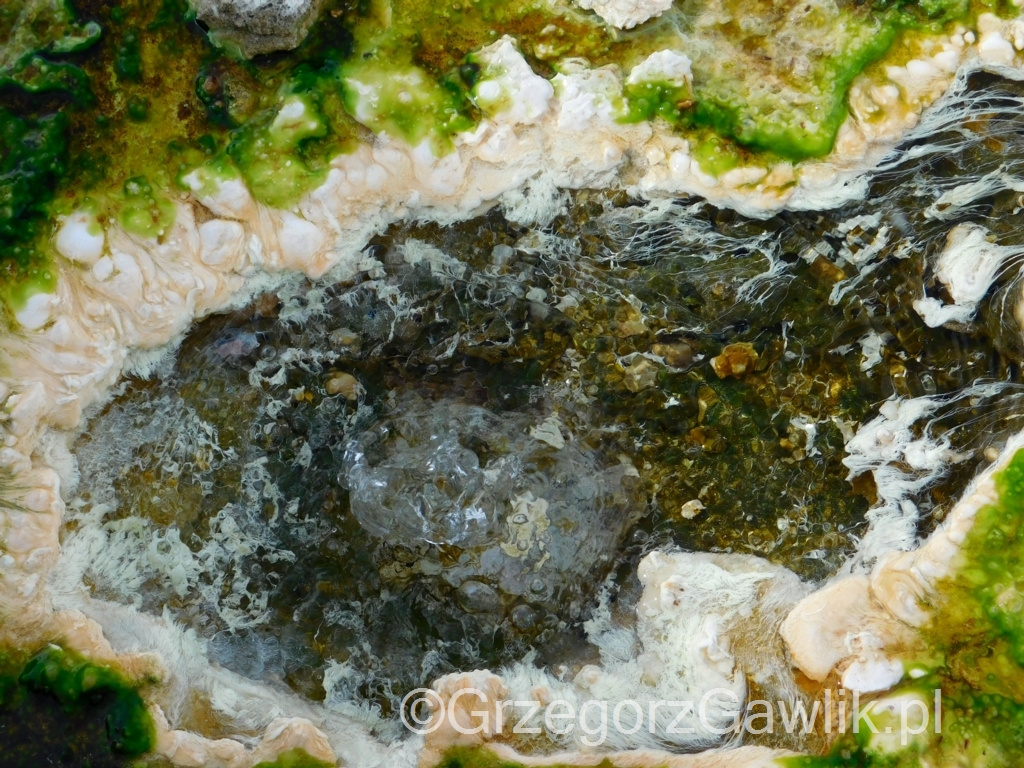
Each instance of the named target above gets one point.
<point>259,26</point>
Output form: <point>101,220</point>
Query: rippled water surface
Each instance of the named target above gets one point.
<point>436,466</point>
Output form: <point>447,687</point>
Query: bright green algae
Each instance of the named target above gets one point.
<point>409,40</point>
<point>979,626</point>
<point>59,709</point>
<point>978,634</point>
<point>33,156</point>
<point>977,729</point>
<point>985,599</point>
<point>771,126</point>
<point>727,99</point>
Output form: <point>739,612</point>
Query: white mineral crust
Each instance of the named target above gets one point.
<point>626,14</point>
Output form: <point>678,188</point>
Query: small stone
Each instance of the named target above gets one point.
<point>524,617</point>
<point>477,597</point>
<point>429,567</point>
<point>343,337</point>
<point>343,384</point>
<point>736,360</point>
<point>630,328</point>
<point>641,374</point>
<point>826,272</point>
<point>691,509</point>
<point>549,431</point>
<point>707,438</point>
<point>678,354</point>
<point>706,397</point>
<point>502,254</point>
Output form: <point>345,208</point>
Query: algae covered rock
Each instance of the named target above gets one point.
<point>40,26</point>
<point>62,709</point>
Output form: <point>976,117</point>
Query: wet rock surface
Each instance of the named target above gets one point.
<point>259,26</point>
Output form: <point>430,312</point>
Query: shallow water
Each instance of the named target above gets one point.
<point>305,522</point>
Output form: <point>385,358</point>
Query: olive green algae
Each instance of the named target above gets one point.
<point>295,758</point>
<point>481,757</point>
<point>33,156</point>
<point>41,26</point>
<point>403,68</point>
